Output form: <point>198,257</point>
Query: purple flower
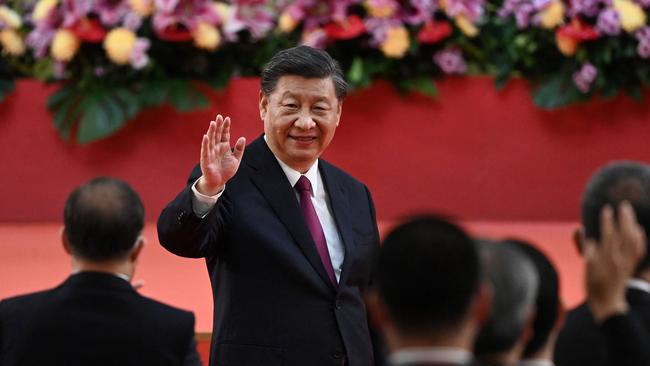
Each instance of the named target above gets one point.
<point>187,13</point>
<point>643,36</point>
<point>139,58</point>
<point>584,77</point>
<point>111,11</point>
<point>608,22</point>
<point>378,29</point>
<point>422,10</point>
<point>472,9</point>
<point>589,8</point>
<point>253,16</point>
<point>316,38</point>
<point>523,10</point>
<point>58,70</point>
<point>132,21</point>
<point>450,61</point>
<point>39,39</point>
<point>73,10</point>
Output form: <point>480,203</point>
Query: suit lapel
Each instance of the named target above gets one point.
<point>341,211</point>
<point>268,177</point>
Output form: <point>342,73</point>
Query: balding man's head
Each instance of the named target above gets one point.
<point>103,219</point>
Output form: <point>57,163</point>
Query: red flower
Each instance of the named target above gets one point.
<point>349,28</point>
<point>175,33</point>
<point>578,31</point>
<point>89,30</point>
<point>434,32</point>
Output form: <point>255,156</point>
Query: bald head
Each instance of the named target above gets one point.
<point>103,219</point>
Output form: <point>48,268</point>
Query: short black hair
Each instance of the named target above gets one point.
<point>616,182</point>
<point>303,61</point>
<point>514,288</point>
<point>103,219</point>
<point>427,273</point>
<point>548,296</point>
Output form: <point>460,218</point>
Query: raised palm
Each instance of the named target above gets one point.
<point>219,161</point>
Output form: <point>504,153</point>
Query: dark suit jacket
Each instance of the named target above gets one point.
<point>622,340</point>
<point>273,301</point>
<point>94,319</point>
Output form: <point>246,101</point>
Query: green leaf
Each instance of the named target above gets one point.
<point>101,117</point>
<point>556,92</point>
<point>61,96</point>
<point>423,84</point>
<point>153,93</point>
<point>129,102</point>
<point>185,97</point>
<point>355,74</point>
<point>6,86</point>
<point>64,119</point>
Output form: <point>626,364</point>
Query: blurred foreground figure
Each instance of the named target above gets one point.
<point>612,326</point>
<point>429,299</point>
<point>96,317</point>
<point>515,281</point>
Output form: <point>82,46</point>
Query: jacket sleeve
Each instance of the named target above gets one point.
<point>626,340</point>
<point>183,233</point>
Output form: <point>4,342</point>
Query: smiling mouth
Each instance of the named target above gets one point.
<point>303,138</point>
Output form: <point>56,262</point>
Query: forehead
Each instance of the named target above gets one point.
<point>301,87</point>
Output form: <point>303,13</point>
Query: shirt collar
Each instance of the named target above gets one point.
<point>431,354</point>
<point>638,284</point>
<point>116,274</point>
<point>293,175</point>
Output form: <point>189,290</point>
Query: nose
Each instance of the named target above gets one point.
<point>305,121</point>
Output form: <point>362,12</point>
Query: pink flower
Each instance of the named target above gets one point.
<point>584,77</point>
<point>450,61</point>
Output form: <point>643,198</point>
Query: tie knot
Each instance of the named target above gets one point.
<point>303,184</point>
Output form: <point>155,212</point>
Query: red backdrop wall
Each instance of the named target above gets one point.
<point>474,153</point>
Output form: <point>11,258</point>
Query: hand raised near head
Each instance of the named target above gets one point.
<point>613,261</point>
<point>219,160</point>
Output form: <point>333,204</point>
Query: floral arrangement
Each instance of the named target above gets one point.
<point>114,58</point>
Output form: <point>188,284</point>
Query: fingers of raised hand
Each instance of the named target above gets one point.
<point>608,230</point>
<point>219,130</point>
<point>225,135</point>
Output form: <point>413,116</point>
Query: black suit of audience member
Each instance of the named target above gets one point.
<point>421,262</point>
<point>96,317</point>
<point>616,336</point>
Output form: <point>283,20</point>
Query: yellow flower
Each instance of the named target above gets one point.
<point>11,42</point>
<point>566,45</point>
<point>142,7</point>
<point>396,43</point>
<point>631,15</point>
<point>119,45</point>
<point>64,46</point>
<point>465,26</point>
<point>552,15</point>
<point>379,11</point>
<point>10,17</point>
<point>43,8</point>
<point>287,23</point>
<point>206,36</point>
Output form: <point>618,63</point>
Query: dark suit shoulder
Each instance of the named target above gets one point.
<point>340,174</point>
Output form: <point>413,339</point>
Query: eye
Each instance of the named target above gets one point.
<point>290,105</point>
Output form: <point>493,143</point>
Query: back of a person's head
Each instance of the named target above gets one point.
<point>514,288</point>
<point>612,184</point>
<point>103,219</point>
<point>427,274</point>
<point>547,303</point>
<point>303,61</point>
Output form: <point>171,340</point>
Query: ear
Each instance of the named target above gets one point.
<point>137,249</point>
<point>482,304</point>
<point>578,239</point>
<point>376,309</point>
<point>529,328</point>
<point>263,105</point>
<point>65,241</point>
<point>560,317</point>
<point>338,112</point>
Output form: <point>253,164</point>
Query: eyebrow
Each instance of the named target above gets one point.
<point>289,94</point>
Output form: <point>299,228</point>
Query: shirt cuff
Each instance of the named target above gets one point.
<point>202,204</point>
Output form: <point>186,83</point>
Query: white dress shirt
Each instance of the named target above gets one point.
<point>638,284</point>
<point>202,204</point>
<point>534,362</point>
<point>430,354</point>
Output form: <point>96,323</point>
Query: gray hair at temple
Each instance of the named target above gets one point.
<point>514,281</point>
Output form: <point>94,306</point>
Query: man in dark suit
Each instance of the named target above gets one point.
<point>96,317</point>
<point>612,327</point>
<point>287,237</point>
<point>428,299</point>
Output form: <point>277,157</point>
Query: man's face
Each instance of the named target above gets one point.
<point>300,117</point>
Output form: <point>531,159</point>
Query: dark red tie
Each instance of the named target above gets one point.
<point>303,186</point>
